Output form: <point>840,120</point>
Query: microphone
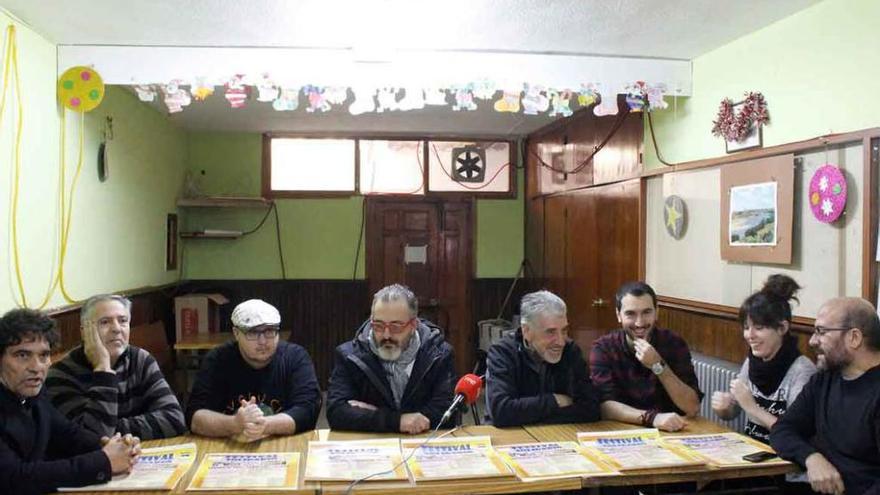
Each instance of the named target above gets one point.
<point>466,390</point>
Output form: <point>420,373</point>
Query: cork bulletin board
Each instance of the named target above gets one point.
<point>757,199</point>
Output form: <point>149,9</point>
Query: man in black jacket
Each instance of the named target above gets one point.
<point>396,375</point>
<point>538,375</point>
<point>40,449</point>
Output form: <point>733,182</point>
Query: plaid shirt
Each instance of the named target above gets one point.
<point>617,375</point>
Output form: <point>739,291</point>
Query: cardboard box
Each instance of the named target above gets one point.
<point>196,314</point>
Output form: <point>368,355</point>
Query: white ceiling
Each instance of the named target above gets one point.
<point>673,29</point>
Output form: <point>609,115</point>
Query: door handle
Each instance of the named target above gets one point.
<point>599,303</point>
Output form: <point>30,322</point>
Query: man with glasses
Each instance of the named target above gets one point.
<point>396,375</point>
<point>109,386</point>
<point>833,427</point>
<point>538,375</point>
<point>254,386</point>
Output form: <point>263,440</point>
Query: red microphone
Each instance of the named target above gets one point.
<point>466,390</point>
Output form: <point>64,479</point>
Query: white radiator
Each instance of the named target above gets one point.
<point>715,375</point>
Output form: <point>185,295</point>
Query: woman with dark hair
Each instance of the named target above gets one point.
<point>775,371</point>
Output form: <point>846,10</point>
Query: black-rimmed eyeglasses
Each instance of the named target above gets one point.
<point>820,331</point>
<point>268,333</point>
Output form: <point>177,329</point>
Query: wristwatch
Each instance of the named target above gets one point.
<point>658,368</point>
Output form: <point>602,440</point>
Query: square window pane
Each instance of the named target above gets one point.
<point>497,168</point>
<point>312,164</point>
<point>391,167</point>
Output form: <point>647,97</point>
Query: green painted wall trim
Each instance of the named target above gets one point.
<point>816,68</point>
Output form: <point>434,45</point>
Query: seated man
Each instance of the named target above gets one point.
<point>254,386</point>
<point>833,427</point>
<point>40,449</point>
<point>538,375</point>
<point>644,374</point>
<point>109,386</point>
<point>396,375</point>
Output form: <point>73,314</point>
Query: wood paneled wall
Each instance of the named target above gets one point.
<point>325,313</point>
<point>156,305</point>
<point>321,314</point>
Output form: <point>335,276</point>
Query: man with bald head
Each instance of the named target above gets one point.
<point>833,427</point>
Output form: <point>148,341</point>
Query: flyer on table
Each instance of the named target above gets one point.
<point>552,460</point>
<point>453,458</point>
<point>158,468</point>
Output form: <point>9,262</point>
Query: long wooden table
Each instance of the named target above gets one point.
<point>700,475</point>
<point>500,436</point>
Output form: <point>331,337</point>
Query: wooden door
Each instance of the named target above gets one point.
<point>438,235</point>
<point>555,268</point>
<point>619,209</point>
<point>591,246</point>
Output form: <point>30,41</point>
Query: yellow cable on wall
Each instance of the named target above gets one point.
<point>10,59</point>
<point>82,95</point>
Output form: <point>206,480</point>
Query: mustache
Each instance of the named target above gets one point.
<point>385,342</point>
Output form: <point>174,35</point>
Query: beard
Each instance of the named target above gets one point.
<point>389,350</point>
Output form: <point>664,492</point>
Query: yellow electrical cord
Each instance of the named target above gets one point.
<point>65,230</point>
<point>11,58</point>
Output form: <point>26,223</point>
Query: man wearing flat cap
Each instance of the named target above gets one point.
<point>254,386</point>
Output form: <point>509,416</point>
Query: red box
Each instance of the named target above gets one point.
<point>196,314</point>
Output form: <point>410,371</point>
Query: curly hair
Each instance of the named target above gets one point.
<point>18,324</point>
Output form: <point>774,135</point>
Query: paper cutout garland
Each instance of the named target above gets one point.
<point>827,193</point>
<point>80,89</point>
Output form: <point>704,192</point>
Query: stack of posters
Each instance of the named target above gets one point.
<point>627,450</point>
<point>552,460</point>
<point>159,468</point>
<point>247,471</point>
<point>453,458</point>
<point>724,449</point>
<point>355,459</point>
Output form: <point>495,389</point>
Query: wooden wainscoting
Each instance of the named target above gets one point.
<point>714,329</point>
<point>149,306</point>
<point>321,314</point>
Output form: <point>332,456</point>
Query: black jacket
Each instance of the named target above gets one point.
<point>41,450</point>
<point>520,391</point>
<point>358,375</point>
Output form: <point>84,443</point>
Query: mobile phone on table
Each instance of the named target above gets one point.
<point>759,456</point>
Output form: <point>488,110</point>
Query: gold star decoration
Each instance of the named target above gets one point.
<point>672,216</point>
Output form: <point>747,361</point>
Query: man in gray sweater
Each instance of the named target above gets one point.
<point>109,386</point>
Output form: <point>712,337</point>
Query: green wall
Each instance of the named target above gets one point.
<point>817,70</point>
<point>319,236</point>
<point>117,239</point>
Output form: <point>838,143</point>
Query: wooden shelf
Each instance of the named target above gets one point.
<point>210,235</point>
<point>224,202</point>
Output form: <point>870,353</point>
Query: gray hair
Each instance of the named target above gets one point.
<point>397,292</point>
<point>88,308</point>
<point>541,303</point>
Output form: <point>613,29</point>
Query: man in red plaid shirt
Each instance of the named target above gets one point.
<point>644,374</point>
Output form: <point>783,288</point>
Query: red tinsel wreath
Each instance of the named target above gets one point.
<point>735,126</point>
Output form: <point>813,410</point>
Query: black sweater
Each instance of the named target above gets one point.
<point>841,420</point>
<point>520,391</point>
<point>41,450</point>
<point>286,385</point>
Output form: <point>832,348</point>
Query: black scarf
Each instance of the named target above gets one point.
<point>767,375</point>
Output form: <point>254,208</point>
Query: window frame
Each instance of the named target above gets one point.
<point>426,141</point>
